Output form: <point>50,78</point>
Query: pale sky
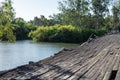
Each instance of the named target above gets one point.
<point>28,9</point>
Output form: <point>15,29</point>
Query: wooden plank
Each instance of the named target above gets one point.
<point>96,71</point>
<point>110,67</point>
<point>118,68</point>
<point>91,63</point>
<point>73,67</point>
<point>103,70</point>
<point>118,74</point>
<point>92,75</point>
<point>55,72</point>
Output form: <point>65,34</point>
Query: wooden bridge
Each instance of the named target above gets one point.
<point>96,60</point>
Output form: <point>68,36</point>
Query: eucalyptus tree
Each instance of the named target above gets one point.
<point>100,11</point>
<point>7,12</point>
<point>116,14</point>
<point>73,12</point>
<point>40,21</point>
<point>55,19</point>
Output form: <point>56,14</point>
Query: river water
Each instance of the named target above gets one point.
<point>21,52</point>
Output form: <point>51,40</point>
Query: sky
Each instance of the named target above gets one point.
<point>28,9</point>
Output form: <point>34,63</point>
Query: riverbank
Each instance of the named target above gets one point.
<point>64,65</point>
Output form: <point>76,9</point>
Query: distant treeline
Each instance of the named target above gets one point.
<point>77,20</point>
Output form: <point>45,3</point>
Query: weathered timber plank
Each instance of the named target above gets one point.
<point>92,75</point>
<point>110,67</point>
<point>104,69</point>
<point>91,63</point>
<point>118,68</point>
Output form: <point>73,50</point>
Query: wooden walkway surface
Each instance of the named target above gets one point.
<point>102,63</point>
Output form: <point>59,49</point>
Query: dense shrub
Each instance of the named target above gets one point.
<point>63,34</point>
<point>22,28</point>
<point>6,34</point>
<point>42,33</point>
<point>100,32</point>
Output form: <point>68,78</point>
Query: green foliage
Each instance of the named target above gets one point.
<point>42,21</point>
<point>73,11</point>
<point>63,34</point>
<point>6,17</point>
<point>22,28</point>
<point>116,15</point>
<point>43,33</point>
<point>89,16</point>
<point>100,32</point>
<point>6,12</point>
<point>1,34</point>
<point>100,10</point>
<point>6,34</point>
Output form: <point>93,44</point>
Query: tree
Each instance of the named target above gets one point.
<point>22,28</point>
<point>55,19</point>
<point>42,21</point>
<point>7,12</point>
<point>74,11</point>
<point>116,14</point>
<point>100,10</point>
<point>6,17</point>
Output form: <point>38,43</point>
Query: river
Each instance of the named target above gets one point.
<point>21,52</point>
